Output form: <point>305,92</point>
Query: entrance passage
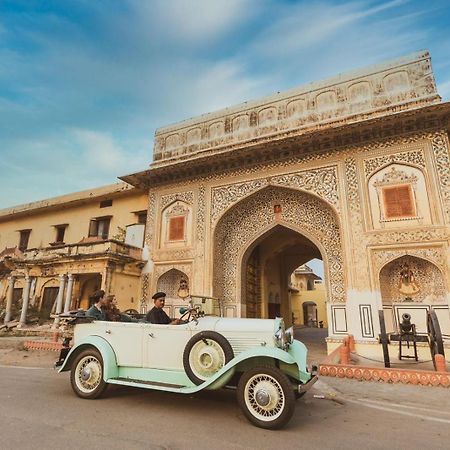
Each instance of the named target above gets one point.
<point>267,269</point>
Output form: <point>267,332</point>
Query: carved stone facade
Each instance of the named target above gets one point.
<point>406,83</point>
<point>304,172</point>
<point>243,224</point>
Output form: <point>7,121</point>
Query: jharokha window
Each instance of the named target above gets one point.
<point>399,202</point>
<point>176,228</point>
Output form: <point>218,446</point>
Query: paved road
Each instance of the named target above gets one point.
<point>39,410</point>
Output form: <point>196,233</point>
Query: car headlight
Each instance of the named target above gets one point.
<point>289,335</point>
<point>283,338</point>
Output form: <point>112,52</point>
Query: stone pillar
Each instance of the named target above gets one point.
<point>107,278</point>
<point>9,298</point>
<point>68,292</point>
<point>25,300</point>
<point>59,300</point>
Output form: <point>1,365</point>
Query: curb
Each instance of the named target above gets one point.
<point>336,364</point>
<point>405,376</point>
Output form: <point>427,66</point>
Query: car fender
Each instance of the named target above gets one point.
<point>219,379</point>
<point>110,369</point>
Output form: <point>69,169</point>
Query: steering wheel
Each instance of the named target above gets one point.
<point>187,313</point>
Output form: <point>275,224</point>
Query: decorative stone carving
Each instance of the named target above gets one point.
<point>162,268</point>
<point>395,176</point>
<point>402,85</point>
<point>173,255</point>
<point>151,212</point>
<point>169,282</point>
<point>372,165</point>
<point>440,146</point>
<point>428,281</point>
<point>359,260</point>
<point>400,237</point>
<point>187,197</point>
<point>243,223</point>
<point>178,210</point>
<point>144,290</point>
<point>436,255</point>
<point>225,196</point>
<point>322,182</point>
<point>201,214</point>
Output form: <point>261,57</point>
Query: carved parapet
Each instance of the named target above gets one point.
<point>376,91</point>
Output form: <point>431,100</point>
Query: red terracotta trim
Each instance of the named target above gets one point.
<point>43,345</point>
<point>405,376</point>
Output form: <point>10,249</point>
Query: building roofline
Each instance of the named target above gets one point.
<point>347,76</point>
<point>73,199</point>
<point>437,116</point>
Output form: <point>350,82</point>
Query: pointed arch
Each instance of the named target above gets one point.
<point>244,223</point>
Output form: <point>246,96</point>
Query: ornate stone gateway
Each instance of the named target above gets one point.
<point>254,216</point>
<point>352,170</point>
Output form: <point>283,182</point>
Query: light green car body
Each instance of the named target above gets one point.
<point>291,360</point>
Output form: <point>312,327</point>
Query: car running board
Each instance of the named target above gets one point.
<point>147,384</point>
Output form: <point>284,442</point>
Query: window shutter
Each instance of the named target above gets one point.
<point>176,228</point>
<point>93,227</point>
<point>398,202</point>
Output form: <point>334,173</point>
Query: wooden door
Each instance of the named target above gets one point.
<point>48,300</point>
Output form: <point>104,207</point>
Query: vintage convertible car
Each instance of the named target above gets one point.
<point>258,356</point>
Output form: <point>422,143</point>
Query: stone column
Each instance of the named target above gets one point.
<point>9,298</point>
<point>26,298</point>
<point>68,292</point>
<point>107,278</point>
<point>59,300</point>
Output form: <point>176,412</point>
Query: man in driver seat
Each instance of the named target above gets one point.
<point>157,314</point>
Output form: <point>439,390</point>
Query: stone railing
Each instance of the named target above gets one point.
<point>84,249</point>
<point>378,90</point>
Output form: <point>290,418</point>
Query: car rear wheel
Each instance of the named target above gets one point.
<point>205,354</point>
<point>266,397</point>
<point>86,375</point>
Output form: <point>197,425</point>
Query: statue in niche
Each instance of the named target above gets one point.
<point>183,290</point>
<point>408,285</point>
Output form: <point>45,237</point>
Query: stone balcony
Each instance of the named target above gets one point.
<point>91,249</point>
<point>403,84</point>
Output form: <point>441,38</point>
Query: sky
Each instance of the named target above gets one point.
<point>84,84</point>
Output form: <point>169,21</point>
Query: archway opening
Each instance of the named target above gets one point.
<point>276,280</point>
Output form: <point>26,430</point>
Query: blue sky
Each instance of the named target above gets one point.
<point>84,84</point>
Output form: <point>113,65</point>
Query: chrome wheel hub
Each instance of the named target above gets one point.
<point>88,374</point>
<point>264,397</point>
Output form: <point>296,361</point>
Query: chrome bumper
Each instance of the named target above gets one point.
<point>306,387</point>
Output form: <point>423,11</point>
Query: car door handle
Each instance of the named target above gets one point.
<point>151,335</point>
<point>108,331</point>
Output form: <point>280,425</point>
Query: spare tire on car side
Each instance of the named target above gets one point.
<point>205,354</point>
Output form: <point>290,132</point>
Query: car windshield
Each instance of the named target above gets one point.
<point>209,306</point>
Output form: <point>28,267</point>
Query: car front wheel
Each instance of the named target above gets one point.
<point>266,397</point>
<point>86,376</point>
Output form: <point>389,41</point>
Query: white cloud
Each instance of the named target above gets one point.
<point>82,94</point>
<point>194,21</point>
